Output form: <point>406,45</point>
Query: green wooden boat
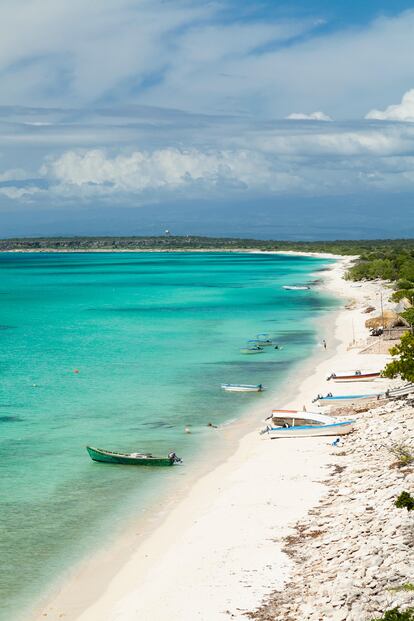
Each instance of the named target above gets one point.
<point>132,459</point>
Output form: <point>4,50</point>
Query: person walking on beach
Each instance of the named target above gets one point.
<point>324,343</point>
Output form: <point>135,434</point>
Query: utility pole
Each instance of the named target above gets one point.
<point>382,308</point>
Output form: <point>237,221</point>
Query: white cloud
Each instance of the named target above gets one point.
<point>19,193</point>
<point>165,169</point>
<point>313,116</point>
<point>13,174</point>
<point>403,111</point>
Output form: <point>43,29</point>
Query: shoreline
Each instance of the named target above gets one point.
<point>218,537</point>
<point>299,253</point>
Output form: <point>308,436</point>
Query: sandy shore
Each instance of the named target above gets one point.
<point>217,553</point>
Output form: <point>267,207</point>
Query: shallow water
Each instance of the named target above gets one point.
<point>123,351</point>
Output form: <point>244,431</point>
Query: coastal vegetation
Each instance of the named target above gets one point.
<point>405,501</point>
<point>403,364</point>
<point>392,258</point>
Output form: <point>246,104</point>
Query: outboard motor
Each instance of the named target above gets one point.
<point>174,459</point>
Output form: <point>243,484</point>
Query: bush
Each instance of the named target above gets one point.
<point>405,501</point>
<point>396,615</point>
<point>409,316</point>
<point>404,365</point>
<point>404,284</point>
<point>403,293</point>
<point>403,454</point>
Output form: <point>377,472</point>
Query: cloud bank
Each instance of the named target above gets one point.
<point>313,116</point>
<point>403,111</point>
<point>132,101</point>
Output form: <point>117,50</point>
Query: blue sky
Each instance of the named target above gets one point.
<point>143,105</point>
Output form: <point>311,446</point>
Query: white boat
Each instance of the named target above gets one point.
<point>395,393</point>
<point>295,287</point>
<point>297,424</point>
<point>354,376</point>
<point>331,399</point>
<point>261,340</point>
<point>255,349</point>
<point>242,387</point>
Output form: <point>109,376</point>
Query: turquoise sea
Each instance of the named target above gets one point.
<point>151,336</point>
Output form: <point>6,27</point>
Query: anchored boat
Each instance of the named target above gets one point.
<point>132,459</point>
<point>242,387</point>
<point>354,376</point>
<point>262,340</point>
<point>254,349</point>
<point>297,424</point>
<point>295,287</point>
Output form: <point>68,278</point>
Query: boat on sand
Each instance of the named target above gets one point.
<point>297,424</point>
<point>330,399</point>
<point>390,393</point>
<point>131,459</point>
<point>354,376</point>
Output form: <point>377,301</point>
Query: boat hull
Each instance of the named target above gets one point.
<point>362,377</point>
<point>251,351</point>
<point>346,399</point>
<point>336,429</point>
<point>108,457</point>
<point>241,388</point>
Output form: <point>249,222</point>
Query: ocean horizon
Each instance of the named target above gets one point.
<point>123,351</point>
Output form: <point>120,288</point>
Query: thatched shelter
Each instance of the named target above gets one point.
<point>389,319</point>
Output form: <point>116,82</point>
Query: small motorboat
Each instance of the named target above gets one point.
<point>354,376</point>
<point>297,424</point>
<point>254,349</point>
<point>263,340</point>
<point>242,387</point>
<point>339,399</point>
<point>295,287</point>
<point>132,459</point>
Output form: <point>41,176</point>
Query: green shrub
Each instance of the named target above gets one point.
<point>403,454</point>
<point>404,364</point>
<point>403,293</point>
<point>395,614</point>
<point>409,316</point>
<point>403,283</point>
<point>405,501</point>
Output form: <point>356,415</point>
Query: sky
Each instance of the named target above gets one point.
<point>254,118</point>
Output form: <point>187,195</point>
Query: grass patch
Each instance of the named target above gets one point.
<point>407,586</point>
<point>403,454</point>
<point>395,614</point>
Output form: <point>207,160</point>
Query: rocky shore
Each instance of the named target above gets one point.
<point>353,556</point>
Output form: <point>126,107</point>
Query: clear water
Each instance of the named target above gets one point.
<point>152,336</point>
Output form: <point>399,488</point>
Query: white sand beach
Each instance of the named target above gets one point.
<point>218,552</point>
